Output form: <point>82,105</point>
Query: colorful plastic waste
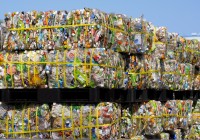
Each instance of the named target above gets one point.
<point>186,72</point>
<point>169,74</point>
<point>185,110</point>
<point>153,69</point>
<point>126,126</point>
<point>3,116</point>
<point>86,121</point>
<point>89,67</point>
<point>136,71</point>
<point>23,70</point>
<point>177,134</point>
<point>170,111</point>
<point>164,136</point>
<point>22,120</point>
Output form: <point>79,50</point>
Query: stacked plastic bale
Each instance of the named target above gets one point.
<point>153,118</point>
<point>145,118</point>
<point>3,31</point>
<point>185,112</point>
<point>86,121</point>
<point>196,63</point>
<point>196,78</point>
<point>153,72</point>
<point>155,56</point>
<point>170,111</point>
<point>23,70</point>
<point>3,117</point>
<point>141,37</point>
<point>194,131</point>
<point>95,67</point>
<point>86,34</point>
<point>195,52</point>
<point>169,67</point>
<point>126,126</point>
<point>28,122</point>
<point>131,128</point>
<point>66,33</point>
<point>177,114</point>
<point>137,72</point>
<point>117,32</point>
<point>186,72</point>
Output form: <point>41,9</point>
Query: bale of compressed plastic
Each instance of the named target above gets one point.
<point>34,29</point>
<point>159,48</point>
<point>195,53</point>
<point>126,125</point>
<point>196,80</point>
<point>86,67</point>
<point>169,74</point>
<point>136,70</point>
<point>3,116</point>
<point>188,51</point>
<point>172,41</point>
<point>153,72</point>
<point>141,119</point>
<point>153,118</point>
<point>117,32</point>
<point>3,31</point>
<point>29,122</point>
<point>177,114</point>
<point>185,113</point>
<point>186,73</point>
<point>146,119</point>
<point>194,133</point>
<point>141,35</point>
<point>179,50</point>
<point>196,114</point>
<point>85,121</point>
<point>23,70</point>
<point>170,112</point>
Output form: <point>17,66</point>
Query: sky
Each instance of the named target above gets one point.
<point>181,16</point>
